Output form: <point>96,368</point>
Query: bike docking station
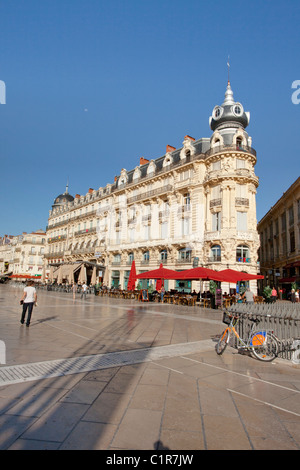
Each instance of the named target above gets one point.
<point>268,331</point>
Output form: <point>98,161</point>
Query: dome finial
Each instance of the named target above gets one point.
<point>228,65</point>
<point>229,93</point>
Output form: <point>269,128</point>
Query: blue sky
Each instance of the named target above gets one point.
<point>93,85</point>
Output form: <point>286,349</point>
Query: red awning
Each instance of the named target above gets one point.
<point>199,273</point>
<point>287,280</point>
<point>160,273</point>
<point>230,275</point>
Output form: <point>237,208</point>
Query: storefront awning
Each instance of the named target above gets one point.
<point>287,280</point>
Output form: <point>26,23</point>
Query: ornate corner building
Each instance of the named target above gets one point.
<point>194,206</point>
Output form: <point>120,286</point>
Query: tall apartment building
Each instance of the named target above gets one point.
<point>279,232</point>
<point>193,206</point>
<point>22,256</point>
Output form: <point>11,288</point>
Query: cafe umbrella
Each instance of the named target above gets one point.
<point>132,277</point>
<point>160,273</point>
<point>230,275</point>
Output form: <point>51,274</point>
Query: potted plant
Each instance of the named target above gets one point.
<point>267,294</point>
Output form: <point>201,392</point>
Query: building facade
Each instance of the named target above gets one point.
<point>193,206</point>
<point>22,256</point>
<point>279,232</point>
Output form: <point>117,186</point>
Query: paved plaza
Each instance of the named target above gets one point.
<point>112,374</point>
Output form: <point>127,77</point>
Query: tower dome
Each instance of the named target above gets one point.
<point>230,114</point>
<point>63,199</point>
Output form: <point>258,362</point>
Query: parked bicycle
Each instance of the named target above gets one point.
<point>262,343</point>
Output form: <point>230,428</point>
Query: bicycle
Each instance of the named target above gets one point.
<point>263,344</point>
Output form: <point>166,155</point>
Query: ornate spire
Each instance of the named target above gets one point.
<point>228,95</point>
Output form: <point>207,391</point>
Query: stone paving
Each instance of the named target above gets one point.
<point>165,387</point>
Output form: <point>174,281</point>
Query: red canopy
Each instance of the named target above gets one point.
<point>160,273</point>
<point>132,277</point>
<point>230,275</point>
<point>199,273</point>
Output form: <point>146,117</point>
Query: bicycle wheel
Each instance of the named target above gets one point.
<point>223,341</point>
<point>265,346</point>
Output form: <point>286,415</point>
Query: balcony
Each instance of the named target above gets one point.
<point>214,259</point>
<point>184,210</point>
<point>85,231</point>
<point>242,201</point>
<point>215,202</point>
<point>58,238</point>
<point>230,148</point>
<point>150,194</point>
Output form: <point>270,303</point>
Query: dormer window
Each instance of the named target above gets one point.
<point>168,160</point>
<point>217,112</point>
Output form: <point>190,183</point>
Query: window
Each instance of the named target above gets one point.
<point>283,222</point>
<point>292,242</point>
<point>146,256</point>
<point>185,254</point>
<point>242,254</point>
<point>291,216</point>
<point>241,221</point>
<point>216,192</point>
<point>164,230</point>
<point>215,253</point>
<point>164,255</point>
<point>146,232</point>
<point>216,221</point>
<point>239,142</point>
<point>185,226</point>
<point>117,258</point>
<point>131,234</point>
<point>241,190</point>
<point>130,257</point>
<point>187,199</point>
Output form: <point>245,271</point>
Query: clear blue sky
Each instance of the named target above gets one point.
<point>93,85</point>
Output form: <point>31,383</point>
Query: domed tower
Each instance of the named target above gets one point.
<point>62,199</point>
<point>229,122</point>
<point>230,187</point>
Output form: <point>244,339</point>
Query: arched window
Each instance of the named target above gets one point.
<point>215,253</point>
<point>243,254</point>
<point>163,255</point>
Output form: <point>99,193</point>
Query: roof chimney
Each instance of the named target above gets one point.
<point>170,148</point>
<point>189,137</point>
<point>143,160</point>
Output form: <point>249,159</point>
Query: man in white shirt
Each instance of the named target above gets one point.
<point>83,290</point>
<point>28,300</point>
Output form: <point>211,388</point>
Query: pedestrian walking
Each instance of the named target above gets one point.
<point>74,289</point>
<point>248,296</point>
<point>83,291</point>
<point>28,300</point>
<point>274,295</point>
